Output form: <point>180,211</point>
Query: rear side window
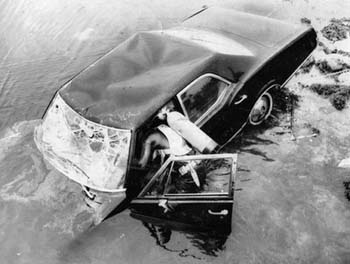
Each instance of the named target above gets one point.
<point>201,96</point>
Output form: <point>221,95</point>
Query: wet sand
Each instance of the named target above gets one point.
<point>290,197</point>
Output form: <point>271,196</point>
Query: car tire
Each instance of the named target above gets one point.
<point>261,109</point>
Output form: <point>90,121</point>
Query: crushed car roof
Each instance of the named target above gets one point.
<point>130,83</point>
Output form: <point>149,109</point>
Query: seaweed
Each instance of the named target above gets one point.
<point>337,30</point>
<point>284,100</point>
<point>338,94</point>
<point>347,189</point>
<point>305,20</point>
<point>326,66</point>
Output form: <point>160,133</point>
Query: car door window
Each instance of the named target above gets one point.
<point>157,186</point>
<point>201,96</point>
<point>205,176</point>
<point>211,174</point>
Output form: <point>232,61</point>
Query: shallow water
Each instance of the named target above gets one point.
<point>291,204</point>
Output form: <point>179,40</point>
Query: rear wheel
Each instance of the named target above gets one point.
<point>261,109</point>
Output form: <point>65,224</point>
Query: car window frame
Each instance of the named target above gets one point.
<point>214,108</point>
<point>171,159</point>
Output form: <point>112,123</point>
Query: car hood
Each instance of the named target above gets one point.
<point>93,155</point>
<point>129,84</point>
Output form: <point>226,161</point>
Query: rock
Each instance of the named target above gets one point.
<point>345,163</point>
<point>333,63</point>
<point>305,20</point>
<point>343,45</point>
<point>344,77</point>
<point>338,94</point>
<point>337,30</point>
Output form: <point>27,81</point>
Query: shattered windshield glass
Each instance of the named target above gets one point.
<point>89,153</point>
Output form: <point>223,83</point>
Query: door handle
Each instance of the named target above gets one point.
<point>222,212</point>
<point>164,204</point>
<point>241,99</point>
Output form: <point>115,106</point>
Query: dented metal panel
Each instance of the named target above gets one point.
<point>88,153</point>
<point>213,41</point>
<point>128,85</point>
<point>262,30</point>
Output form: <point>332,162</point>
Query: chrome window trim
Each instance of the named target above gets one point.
<point>211,109</point>
<point>171,159</point>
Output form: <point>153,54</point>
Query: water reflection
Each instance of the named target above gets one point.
<point>123,239</point>
<point>209,243</point>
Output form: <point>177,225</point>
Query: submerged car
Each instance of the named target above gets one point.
<point>215,71</point>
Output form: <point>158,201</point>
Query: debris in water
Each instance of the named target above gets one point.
<point>345,163</point>
<point>305,20</point>
<point>338,29</point>
<point>347,189</point>
<point>306,136</point>
<point>338,94</point>
<point>344,77</point>
<point>331,65</point>
<point>307,131</point>
<point>326,49</point>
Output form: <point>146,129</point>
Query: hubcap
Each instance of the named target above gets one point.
<point>261,109</point>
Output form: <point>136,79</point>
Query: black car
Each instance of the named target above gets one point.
<point>215,71</point>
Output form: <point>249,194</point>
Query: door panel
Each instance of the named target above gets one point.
<point>232,118</point>
<point>202,214</point>
<point>205,213</point>
<point>226,123</point>
<point>190,191</point>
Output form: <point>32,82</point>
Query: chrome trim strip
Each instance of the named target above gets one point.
<point>155,200</point>
<point>232,156</point>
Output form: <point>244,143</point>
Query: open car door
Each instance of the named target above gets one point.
<point>189,191</point>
